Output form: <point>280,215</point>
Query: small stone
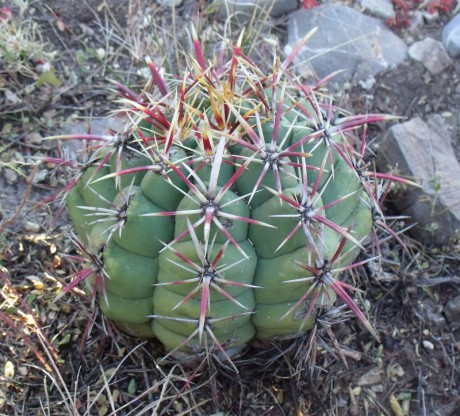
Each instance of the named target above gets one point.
<point>431,54</point>
<point>368,83</point>
<point>12,98</point>
<point>452,311</point>
<point>32,227</point>
<point>433,317</point>
<point>380,8</point>
<point>451,37</point>
<point>416,22</point>
<point>40,176</point>
<point>244,8</point>
<point>430,17</point>
<point>424,151</point>
<point>428,345</point>
<point>33,138</point>
<point>43,67</point>
<point>11,176</point>
<point>170,3</point>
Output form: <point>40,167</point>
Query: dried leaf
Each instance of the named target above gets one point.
<point>373,376</point>
<point>395,406</point>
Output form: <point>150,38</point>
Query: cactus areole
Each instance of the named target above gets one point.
<point>227,207</point>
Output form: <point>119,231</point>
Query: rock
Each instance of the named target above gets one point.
<point>423,151</point>
<point>380,8</point>
<point>11,176</point>
<point>361,45</point>
<point>11,97</point>
<point>416,22</point>
<point>432,316</point>
<point>33,138</point>
<point>245,8</point>
<point>170,3</point>
<point>94,125</point>
<point>431,54</point>
<point>451,37</point>
<point>430,17</point>
<point>452,311</point>
<point>428,345</point>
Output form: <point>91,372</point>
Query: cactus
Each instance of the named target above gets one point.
<point>227,207</point>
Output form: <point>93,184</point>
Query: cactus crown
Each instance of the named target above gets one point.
<point>227,207</point>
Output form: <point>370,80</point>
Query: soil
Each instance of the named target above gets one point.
<point>49,345</point>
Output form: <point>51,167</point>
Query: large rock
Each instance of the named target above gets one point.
<point>451,37</point>
<point>244,9</point>
<point>423,151</point>
<point>346,39</point>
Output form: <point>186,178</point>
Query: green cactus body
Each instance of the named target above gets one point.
<point>226,218</point>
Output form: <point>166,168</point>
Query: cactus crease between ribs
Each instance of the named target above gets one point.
<point>226,208</point>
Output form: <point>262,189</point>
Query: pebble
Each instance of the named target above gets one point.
<point>430,17</point>
<point>416,22</point>
<point>244,8</point>
<point>32,226</point>
<point>11,97</point>
<point>170,3</point>
<point>452,311</point>
<point>451,37</point>
<point>433,317</point>
<point>33,138</point>
<point>11,176</point>
<point>428,345</point>
<point>380,8</point>
<point>431,54</point>
<point>40,176</point>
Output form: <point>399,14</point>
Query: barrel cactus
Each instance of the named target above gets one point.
<point>226,208</point>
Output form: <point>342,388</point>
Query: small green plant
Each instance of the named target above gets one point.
<point>22,47</point>
<point>226,209</point>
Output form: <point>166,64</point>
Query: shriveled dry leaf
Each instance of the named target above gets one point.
<point>373,376</point>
